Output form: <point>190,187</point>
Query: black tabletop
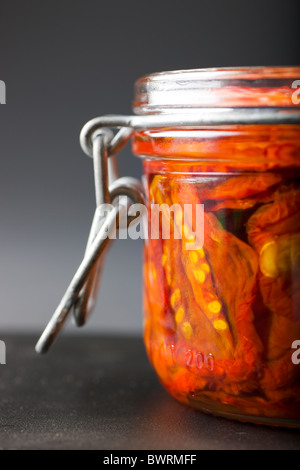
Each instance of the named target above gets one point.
<point>101,393</point>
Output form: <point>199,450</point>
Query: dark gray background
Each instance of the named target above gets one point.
<point>65,62</point>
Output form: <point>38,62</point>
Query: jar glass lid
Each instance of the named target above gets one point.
<point>241,87</point>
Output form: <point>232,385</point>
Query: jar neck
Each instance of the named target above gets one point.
<point>222,148</point>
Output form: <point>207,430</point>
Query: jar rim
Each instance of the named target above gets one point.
<point>224,87</point>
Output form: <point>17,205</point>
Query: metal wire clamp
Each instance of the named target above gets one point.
<point>121,193</point>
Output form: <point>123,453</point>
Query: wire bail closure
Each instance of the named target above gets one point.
<point>122,192</point>
<point>98,141</point>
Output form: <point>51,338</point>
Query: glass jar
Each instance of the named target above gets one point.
<point>222,319</point>
<point>221,157</point>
